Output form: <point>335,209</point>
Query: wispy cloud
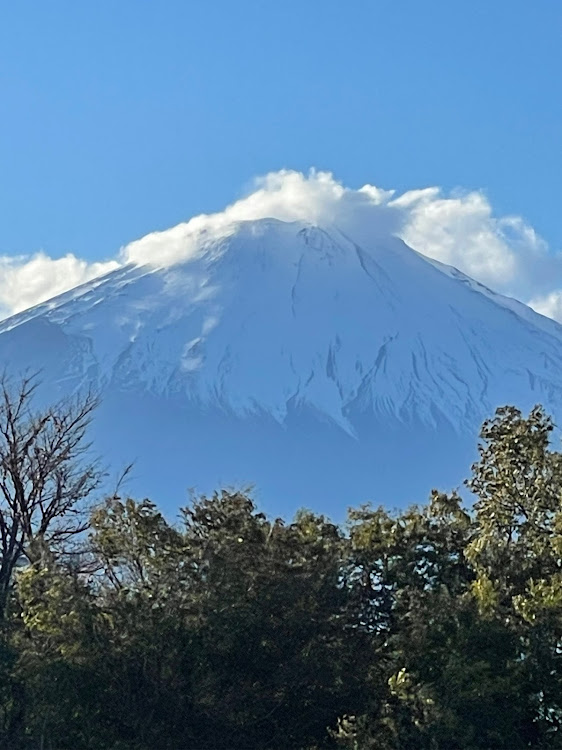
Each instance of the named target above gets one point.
<point>460,229</point>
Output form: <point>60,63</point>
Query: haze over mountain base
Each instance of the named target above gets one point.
<point>306,462</point>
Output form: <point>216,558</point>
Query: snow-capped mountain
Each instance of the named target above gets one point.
<point>326,369</point>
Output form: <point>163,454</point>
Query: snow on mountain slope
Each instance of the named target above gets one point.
<point>327,371</point>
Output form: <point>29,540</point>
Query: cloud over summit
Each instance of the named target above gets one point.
<point>460,229</point>
<point>285,195</point>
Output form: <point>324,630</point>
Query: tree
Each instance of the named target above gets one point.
<point>407,576</point>
<point>447,676</point>
<point>276,657</point>
<point>227,631</point>
<point>45,475</point>
<point>518,488</point>
<point>517,553</point>
<point>436,627</point>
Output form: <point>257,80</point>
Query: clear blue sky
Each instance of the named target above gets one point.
<point>118,117</point>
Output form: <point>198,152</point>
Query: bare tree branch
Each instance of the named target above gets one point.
<point>45,475</point>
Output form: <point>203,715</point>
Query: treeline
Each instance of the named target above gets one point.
<point>437,628</point>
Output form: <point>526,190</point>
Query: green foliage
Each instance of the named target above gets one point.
<point>518,484</point>
<point>516,554</point>
<point>438,627</point>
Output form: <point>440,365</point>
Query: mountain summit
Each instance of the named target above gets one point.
<point>325,369</point>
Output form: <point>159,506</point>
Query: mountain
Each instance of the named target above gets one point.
<point>325,369</point>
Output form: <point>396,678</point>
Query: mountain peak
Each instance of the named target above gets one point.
<point>296,334</point>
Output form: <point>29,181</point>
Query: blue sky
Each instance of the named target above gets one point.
<point>119,117</point>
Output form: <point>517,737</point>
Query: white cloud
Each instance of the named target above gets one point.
<point>26,281</point>
<point>459,229</point>
<point>505,252</point>
<point>549,305</point>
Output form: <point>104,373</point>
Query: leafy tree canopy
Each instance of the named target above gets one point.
<point>438,627</point>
